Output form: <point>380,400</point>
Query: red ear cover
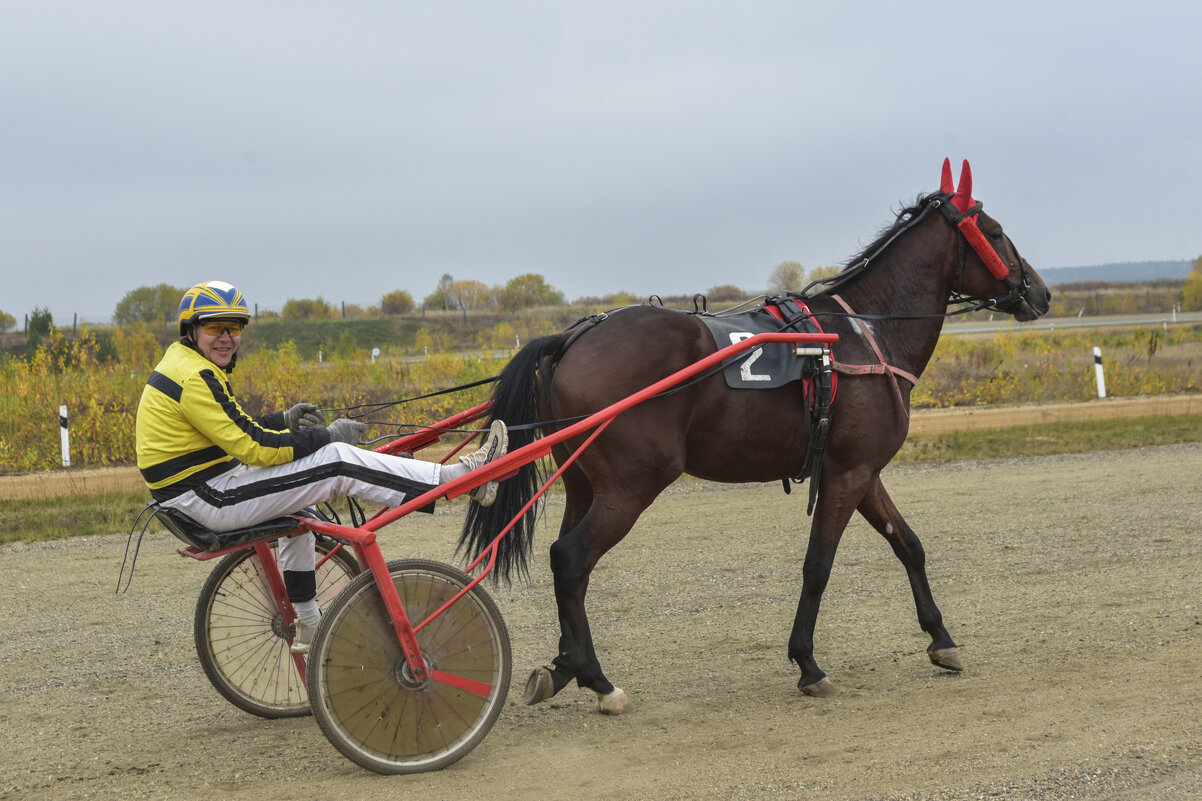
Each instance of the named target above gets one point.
<point>968,227</point>
<point>962,200</point>
<point>963,197</point>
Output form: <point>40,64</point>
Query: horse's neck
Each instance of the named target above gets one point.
<point>912,279</point>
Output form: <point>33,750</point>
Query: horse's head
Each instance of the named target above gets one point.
<point>990,267</point>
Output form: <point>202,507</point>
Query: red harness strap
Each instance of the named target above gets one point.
<point>882,368</point>
<point>776,312</point>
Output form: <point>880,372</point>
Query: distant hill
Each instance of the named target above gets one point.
<point>1130,272</point>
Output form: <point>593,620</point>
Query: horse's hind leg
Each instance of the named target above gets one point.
<point>545,682</point>
<point>573,557</point>
<point>881,513</point>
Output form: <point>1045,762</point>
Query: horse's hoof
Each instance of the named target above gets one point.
<point>614,703</point>
<point>539,687</point>
<point>947,658</point>
<point>823,688</point>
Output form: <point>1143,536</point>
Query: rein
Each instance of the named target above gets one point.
<point>970,236</point>
<point>375,407</point>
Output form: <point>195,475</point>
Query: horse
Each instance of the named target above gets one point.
<point>887,305</point>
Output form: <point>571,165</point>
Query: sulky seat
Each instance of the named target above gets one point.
<point>196,535</point>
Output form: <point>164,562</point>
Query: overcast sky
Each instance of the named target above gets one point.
<point>344,150</point>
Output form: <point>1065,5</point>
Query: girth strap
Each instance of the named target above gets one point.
<point>882,368</point>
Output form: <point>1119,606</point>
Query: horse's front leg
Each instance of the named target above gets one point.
<point>836,502</point>
<point>881,513</point>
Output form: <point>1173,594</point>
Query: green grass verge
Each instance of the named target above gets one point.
<point>74,516</point>
<point>1049,438</point>
<point>70,516</point>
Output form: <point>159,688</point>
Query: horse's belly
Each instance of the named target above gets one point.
<point>754,445</point>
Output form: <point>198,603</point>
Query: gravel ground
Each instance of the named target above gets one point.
<point>1072,584</point>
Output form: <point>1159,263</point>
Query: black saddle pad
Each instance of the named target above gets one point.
<point>766,367</point>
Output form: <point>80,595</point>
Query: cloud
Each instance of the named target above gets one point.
<point>346,151</point>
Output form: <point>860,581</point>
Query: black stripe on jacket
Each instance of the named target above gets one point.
<point>194,481</point>
<point>303,442</point>
<point>178,464</point>
<point>165,385</point>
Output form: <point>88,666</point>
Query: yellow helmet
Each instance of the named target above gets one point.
<point>210,300</point>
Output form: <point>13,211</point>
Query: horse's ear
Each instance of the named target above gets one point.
<point>945,183</point>
<point>963,197</point>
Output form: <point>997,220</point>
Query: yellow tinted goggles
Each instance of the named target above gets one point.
<point>219,327</point>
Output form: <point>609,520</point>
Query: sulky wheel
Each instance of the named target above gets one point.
<point>366,699</point>
<point>241,638</point>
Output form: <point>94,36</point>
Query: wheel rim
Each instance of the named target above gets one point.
<point>370,696</point>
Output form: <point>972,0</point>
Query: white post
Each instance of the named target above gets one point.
<point>62,426</point>
<point>1097,364</point>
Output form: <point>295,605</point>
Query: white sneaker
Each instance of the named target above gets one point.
<point>495,445</point>
<point>302,639</point>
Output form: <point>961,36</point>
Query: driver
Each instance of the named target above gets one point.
<point>200,453</point>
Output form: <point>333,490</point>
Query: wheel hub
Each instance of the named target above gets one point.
<point>404,674</point>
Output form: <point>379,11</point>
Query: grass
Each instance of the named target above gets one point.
<point>1049,438</point>
<point>71,516</point>
<point>109,512</point>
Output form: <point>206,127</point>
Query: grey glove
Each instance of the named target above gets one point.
<point>348,431</point>
<point>303,415</point>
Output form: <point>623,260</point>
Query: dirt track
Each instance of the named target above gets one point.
<point>1072,584</point>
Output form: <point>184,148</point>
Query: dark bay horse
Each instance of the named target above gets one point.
<point>887,307</point>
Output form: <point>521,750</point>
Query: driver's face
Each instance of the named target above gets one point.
<point>218,341</point>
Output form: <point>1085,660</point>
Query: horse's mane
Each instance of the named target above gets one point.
<point>855,265</point>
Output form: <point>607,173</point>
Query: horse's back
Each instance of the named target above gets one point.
<point>705,428</point>
<point>625,352</point>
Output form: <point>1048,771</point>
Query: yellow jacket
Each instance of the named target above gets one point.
<point>190,427</point>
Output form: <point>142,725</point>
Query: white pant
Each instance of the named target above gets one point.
<point>248,495</point>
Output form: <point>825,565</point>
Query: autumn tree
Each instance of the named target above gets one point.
<point>148,304</point>
<point>526,291</point>
<point>471,295</point>
<point>724,293</point>
<point>422,340</point>
<point>821,272</point>
<point>353,311</point>
<point>41,325</point>
<point>499,336</point>
<point>348,347</point>
<point>788,276</point>
<point>443,296</point>
<point>396,302</point>
<point>1191,293</point>
<point>7,321</point>
<point>309,309</point>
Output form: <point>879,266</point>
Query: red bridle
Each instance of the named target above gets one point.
<point>961,198</point>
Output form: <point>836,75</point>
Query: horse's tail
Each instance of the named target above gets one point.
<point>514,401</point>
